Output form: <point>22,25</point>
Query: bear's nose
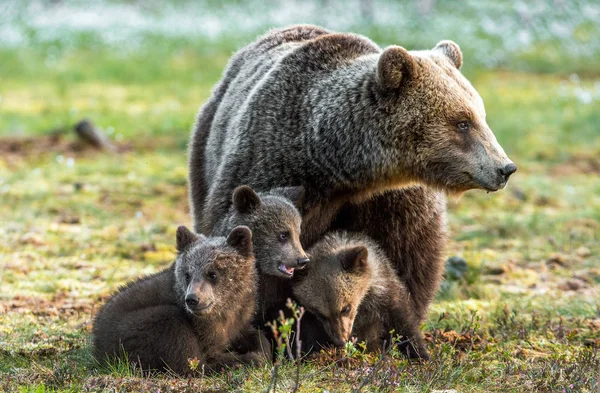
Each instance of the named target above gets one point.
<point>191,300</point>
<point>508,170</point>
<point>302,261</point>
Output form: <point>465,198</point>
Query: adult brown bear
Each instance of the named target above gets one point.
<point>376,137</point>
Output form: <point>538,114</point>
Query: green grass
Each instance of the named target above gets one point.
<point>77,224</point>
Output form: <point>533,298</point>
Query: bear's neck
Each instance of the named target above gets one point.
<point>348,152</point>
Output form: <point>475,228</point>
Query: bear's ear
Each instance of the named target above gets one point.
<point>395,65</point>
<point>240,238</point>
<point>355,259</point>
<point>294,194</point>
<point>451,50</point>
<point>245,200</point>
<point>185,237</point>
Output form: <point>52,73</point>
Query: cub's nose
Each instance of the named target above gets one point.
<point>338,342</point>
<point>508,170</point>
<point>302,261</point>
<point>191,300</point>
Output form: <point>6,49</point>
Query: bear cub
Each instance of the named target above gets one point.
<point>194,309</point>
<point>352,289</point>
<point>275,222</point>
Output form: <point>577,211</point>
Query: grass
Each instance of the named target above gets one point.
<point>78,223</point>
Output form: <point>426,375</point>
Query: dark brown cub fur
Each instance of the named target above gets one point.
<point>275,223</point>
<point>193,309</point>
<point>352,289</point>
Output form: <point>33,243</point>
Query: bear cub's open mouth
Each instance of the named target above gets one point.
<point>288,271</point>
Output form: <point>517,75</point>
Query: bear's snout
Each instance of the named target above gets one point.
<point>198,298</point>
<point>191,300</point>
<point>507,170</point>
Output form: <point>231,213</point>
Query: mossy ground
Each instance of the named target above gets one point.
<point>77,223</point>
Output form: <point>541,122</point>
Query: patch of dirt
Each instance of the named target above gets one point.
<point>587,165</point>
<point>58,143</point>
<point>461,341</point>
<point>59,305</point>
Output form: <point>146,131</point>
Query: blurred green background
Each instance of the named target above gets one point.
<point>519,308</point>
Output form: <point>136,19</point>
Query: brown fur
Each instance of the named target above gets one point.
<point>373,135</point>
<point>193,309</point>
<point>352,289</point>
<point>270,215</point>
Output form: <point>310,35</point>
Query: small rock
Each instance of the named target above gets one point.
<point>497,270</point>
<point>573,285</point>
<point>69,219</point>
<point>583,278</point>
<point>556,260</point>
<point>147,247</point>
<point>583,252</point>
<point>33,238</point>
<point>562,260</point>
<point>543,201</point>
<point>456,267</point>
<point>89,134</point>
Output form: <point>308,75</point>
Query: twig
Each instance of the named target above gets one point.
<point>375,369</point>
<point>299,316</point>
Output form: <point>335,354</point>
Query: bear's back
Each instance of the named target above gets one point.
<point>145,293</point>
<point>267,102</point>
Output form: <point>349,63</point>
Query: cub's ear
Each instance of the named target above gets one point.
<point>355,259</point>
<point>451,50</point>
<point>295,194</point>
<point>185,237</point>
<point>240,238</point>
<point>395,65</point>
<point>245,200</point>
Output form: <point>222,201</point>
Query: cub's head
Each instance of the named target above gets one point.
<point>212,273</point>
<point>333,286</point>
<point>275,223</point>
<point>435,121</point>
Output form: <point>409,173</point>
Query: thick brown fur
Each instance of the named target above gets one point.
<point>275,223</point>
<point>376,137</point>
<point>194,309</point>
<point>352,289</point>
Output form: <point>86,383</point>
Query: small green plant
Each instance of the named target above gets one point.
<point>350,348</point>
<point>284,335</point>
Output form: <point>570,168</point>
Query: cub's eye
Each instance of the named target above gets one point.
<point>188,277</point>
<point>463,126</point>
<point>345,311</point>
<point>212,276</point>
<point>284,236</point>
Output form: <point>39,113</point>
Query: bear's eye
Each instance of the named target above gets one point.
<point>345,311</point>
<point>188,277</point>
<point>463,126</point>
<point>212,277</point>
<point>284,236</point>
